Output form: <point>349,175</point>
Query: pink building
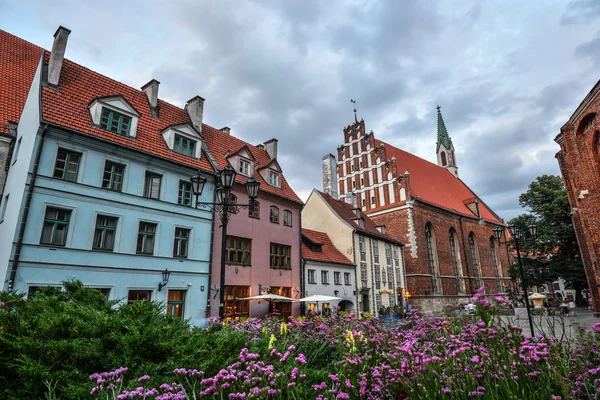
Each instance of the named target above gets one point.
<point>263,247</point>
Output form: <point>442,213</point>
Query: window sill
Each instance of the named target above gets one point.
<point>103,250</point>
<point>58,246</point>
<point>238,264</point>
<point>312,283</point>
<point>274,222</point>
<point>250,216</point>
<point>139,253</point>
<point>338,284</point>
<point>283,268</point>
<point>287,225</point>
<point>325,283</point>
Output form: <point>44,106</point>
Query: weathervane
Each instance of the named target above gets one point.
<point>354,102</point>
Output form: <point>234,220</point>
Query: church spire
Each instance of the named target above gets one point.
<point>442,132</point>
<point>444,147</point>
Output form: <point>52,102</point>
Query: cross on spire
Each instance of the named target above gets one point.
<point>355,117</point>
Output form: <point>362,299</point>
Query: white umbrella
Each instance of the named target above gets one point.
<point>316,298</point>
<point>269,297</point>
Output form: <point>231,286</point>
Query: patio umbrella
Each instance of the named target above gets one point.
<point>316,298</point>
<point>269,297</point>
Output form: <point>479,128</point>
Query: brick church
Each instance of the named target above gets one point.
<point>579,161</point>
<point>448,231</point>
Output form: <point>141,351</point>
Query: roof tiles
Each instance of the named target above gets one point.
<point>435,185</point>
<point>328,253</point>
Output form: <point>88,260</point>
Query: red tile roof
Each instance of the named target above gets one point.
<point>328,253</point>
<point>346,212</point>
<point>435,185</point>
<point>79,86</point>
<point>18,62</point>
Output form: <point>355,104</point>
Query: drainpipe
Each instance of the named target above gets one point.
<point>302,263</point>
<point>29,195</point>
<point>462,236</point>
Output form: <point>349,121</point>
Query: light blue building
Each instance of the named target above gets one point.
<point>99,190</point>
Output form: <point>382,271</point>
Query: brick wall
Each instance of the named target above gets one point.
<point>398,225</point>
<point>579,161</point>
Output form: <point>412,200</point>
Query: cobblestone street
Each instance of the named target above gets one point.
<point>557,325</point>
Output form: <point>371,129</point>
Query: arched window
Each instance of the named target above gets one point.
<point>496,262</point>
<point>586,123</point>
<point>254,211</point>
<point>444,159</point>
<point>456,264</point>
<point>432,258</point>
<point>287,217</point>
<point>475,259</point>
<point>274,215</point>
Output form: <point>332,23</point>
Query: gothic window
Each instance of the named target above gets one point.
<point>495,261</point>
<point>432,257</point>
<point>475,259</point>
<point>457,267</point>
<point>586,123</point>
<point>444,163</point>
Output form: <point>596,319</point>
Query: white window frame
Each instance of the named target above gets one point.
<point>274,178</point>
<point>244,167</point>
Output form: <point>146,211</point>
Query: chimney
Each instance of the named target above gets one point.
<point>271,148</point>
<point>151,90</point>
<point>195,110</point>
<point>226,130</point>
<point>58,54</point>
<point>330,175</point>
<point>260,146</point>
<point>351,199</point>
<point>356,211</point>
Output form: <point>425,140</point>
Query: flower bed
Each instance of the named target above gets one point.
<point>350,358</point>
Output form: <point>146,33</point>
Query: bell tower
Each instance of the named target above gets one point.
<point>444,147</point>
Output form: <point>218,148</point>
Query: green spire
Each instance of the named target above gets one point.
<point>442,132</point>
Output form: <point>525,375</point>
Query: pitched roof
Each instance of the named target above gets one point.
<point>79,86</point>
<point>328,253</point>
<point>18,62</point>
<point>435,185</point>
<point>346,212</point>
<point>222,145</point>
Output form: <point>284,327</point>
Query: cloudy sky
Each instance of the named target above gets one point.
<point>507,74</point>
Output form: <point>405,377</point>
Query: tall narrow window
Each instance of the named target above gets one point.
<point>16,151</point>
<point>363,274</point>
<point>311,276</point>
<point>444,163</point>
<point>495,262</point>
<point>176,303</point>
<point>4,205</point>
<point>377,271</point>
<point>184,197</point>
<point>113,176</point>
<point>431,257</point>
<point>254,211</point>
<point>184,146</point>
<point>362,248</point>
<point>145,241</point>
<point>67,165</point>
<point>152,185</point>
<point>274,178</point>
<point>455,262</point>
<point>244,167</point>
<point>337,278</point>
<point>115,122</point>
<point>375,251</point>
<point>56,226</point>
<point>287,218</point>
<point>388,254</point>
<point>347,278</point>
<point>474,258</point>
<point>274,217</point>
<point>104,235</point>
<point>181,242</point>
<point>325,277</point>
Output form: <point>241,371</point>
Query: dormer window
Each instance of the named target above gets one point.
<point>114,121</point>
<point>114,114</point>
<point>183,139</point>
<point>185,146</point>
<point>274,178</point>
<point>244,167</point>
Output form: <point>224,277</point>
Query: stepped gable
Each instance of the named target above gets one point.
<point>328,253</point>
<point>435,185</point>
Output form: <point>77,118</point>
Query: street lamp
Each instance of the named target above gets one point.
<point>165,279</point>
<point>224,206</point>
<point>517,234</point>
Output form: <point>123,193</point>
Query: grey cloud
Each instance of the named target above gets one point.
<point>590,50</point>
<point>581,11</point>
